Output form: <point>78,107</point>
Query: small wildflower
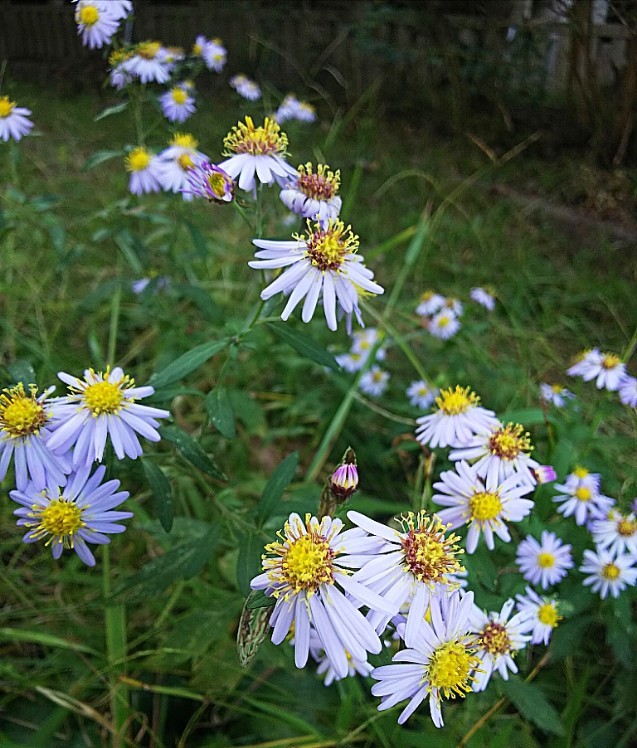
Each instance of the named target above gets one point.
<point>14,122</point>
<point>628,391</point>
<point>607,369</point>
<point>245,87</point>
<point>483,297</point>
<point>96,23</point>
<point>580,497</point>
<point>617,533</point>
<point>344,480</point>
<point>177,104</point>
<point>608,572</point>
<point>144,171</point>
<point>430,303</point>
<point>421,395</point>
<point>545,563</point>
<point>313,194</point>
<point>555,394</point>
<point>150,63</point>
<point>210,181</point>
<point>540,615</point>
<point>374,382</point>
<point>444,324</point>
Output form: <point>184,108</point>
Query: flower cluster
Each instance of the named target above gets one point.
<point>293,109</point>
<point>609,373</point>
<point>245,87</point>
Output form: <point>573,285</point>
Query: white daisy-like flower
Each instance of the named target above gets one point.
<point>459,418</point>
<point>500,453</point>
<point>555,394</point>
<point>144,168</point>
<point>293,109</point>
<point>176,163</point>
<point>483,297</point>
<point>617,533</point>
<point>498,641</point>
<point>96,22</point>
<point>540,615</point>
<point>26,419</point>
<point>439,664</point>
<point>587,364</point>
<point>313,195</point>
<point>453,305</point>
<point>306,570</point>
<point>103,405</point>
<point>608,572</point>
<point>444,324</point>
<point>607,369</point>
<point>413,564</point>
<point>177,104</point>
<point>364,340</point>
<point>120,62</point>
<point>212,52</point>
<point>485,504</point>
<point>421,394</point>
<point>118,9</point>
<point>150,64</point>
<point>245,87</point>
<point>628,391</point>
<point>430,303</point>
<point>14,122</point>
<point>351,361</point>
<point>323,261</point>
<point>374,382</point>
<point>257,151</point>
<point>580,497</point>
<point>545,563</point>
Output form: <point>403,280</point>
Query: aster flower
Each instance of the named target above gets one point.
<point>313,195</point>
<point>304,571</point>
<point>459,418</point>
<point>580,497</point>
<point>103,405</point>
<point>96,22</point>
<point>176,163</point>
<point>444,324</point>
<point>628,391</point>
<point>483,297</point>
<point>177,104</point>
<point>543,474</point>
<point>159,283</point>
<point>430,303</point>
<point>257,150</point>
<point>344,481</point>
<point>608,572</point>
<point>555,394</point>
<point>607,369</point>
<point>14,122</point>
<point>539,615</point>
<point>617,533</point>
<point>439,664</point>
<point>545,563</point>
<point>454,306</point>
<point>351,361</point>
<point>498,641</point>
<point>212,52</point>
<point>210,181</point>
<point>586,364</point>
<point>421,394</point>
<point>501,452</point>
<point>149,63</point>
<point>292,108</point>
<point>374,382</point>
<point>363,341</point>
<point>483,503</point>
<point>414,565</point>
<point>25,426</point>
<point>245,87</point>
<point>325,261</point>
<point>120,62</point>
<point>72,516</point>
<point>144,168</point>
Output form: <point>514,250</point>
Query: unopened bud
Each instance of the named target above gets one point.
<point>544,473</point>
<point>344,481</point>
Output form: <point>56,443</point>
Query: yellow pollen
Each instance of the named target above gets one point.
<point>179,95</point>
<point>494,639</point>
<point>185,140</point>
<point>185,161</point>
<point>88,15</point>
<point>118,56</point>
<point>61,518</point>
<point>453,402</point>
<point>449,669</point>
<point>6,106</point>
<point>509,441</point>
<point>428,554</point>
<point>546,560</point>
<point>257,141</point>
<point>626,527</point>
<point>320,186</point>
<point>327,247</point>
<point>580,472</point>
<point>217,184</point>
<point>427,295</point>
<point>610,361</point>
<point>138,159</point>
<point>148,50</point>
<point>485,506</point>
<point>21,414</point>
<point>583,494</point>
<point>197,49</point>
<point>103,397</point>
<point>610,571</point>
<point>557,388</point>
<point>548,615</point>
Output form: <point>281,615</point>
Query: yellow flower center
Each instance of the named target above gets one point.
<point>217,183</point>
<point>546,560</point>
<point>443,321</point>
<point>6,106</point>
<point>103,397</point>
<point>257,141</point>
<point>320,186</point>
<point>610,361</point>
<point>118,56</point>
<point>184,140</point>
<point>61,517</point>
<point>484,506</point>
<point>453,402</point>
<point>449,669</point>
<point>626,527</point>
<point>428,554</point>
<point>580,472</point>
<point>21,414</point>
<point>88,15</point>
<point>495,639</point>
<point>148,50</point>
<point>377,376</point>
<point>557,388</point>
<point>610,571</point>
<point>427,295</point>
<point>327,247</point>
<point>583,494</point>
<point>179,95</point>
<point>197,49</point>
<point>548,615</point>
<point>138,159</point>
<point>507,442</point>
<point>185,161</point>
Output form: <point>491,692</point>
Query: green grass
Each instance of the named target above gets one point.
<point>73,240</point>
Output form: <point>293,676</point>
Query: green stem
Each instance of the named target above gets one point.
<point>630,348</point>
<point>114,320</point>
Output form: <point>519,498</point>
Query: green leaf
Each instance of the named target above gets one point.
<point>279,481</point>
<point>258,599</point>
<point>567,636</point>
<point>198,239</point>
<point>21,370</point>
<point>131,248</point>
<point>532,705</point>
<point>42,638</point>
<point>305,345</point>
<point>253,628</point>
<point>192,451</point>
<point>187,363</point>
<point>220,412</point>
<point>525,416</point>
<point>162,494</point>
<point>116,109</point>
<point>99,157</point>
<point>248,561</point>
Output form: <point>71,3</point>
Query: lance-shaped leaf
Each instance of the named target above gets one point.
<point>279,481</point>
<point>192,451</point>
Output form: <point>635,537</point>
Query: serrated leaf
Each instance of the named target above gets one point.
<point>305,345</point>
<point>186,363</point>
<point>220,412</point>
<point>279,481</point>
<point>116,109</point>
<point>254,625</point>
<point>192,451</point>
<point>248,561</point>
<point>99,157</point>
<point>532,705</point>
<point>161,490</point>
